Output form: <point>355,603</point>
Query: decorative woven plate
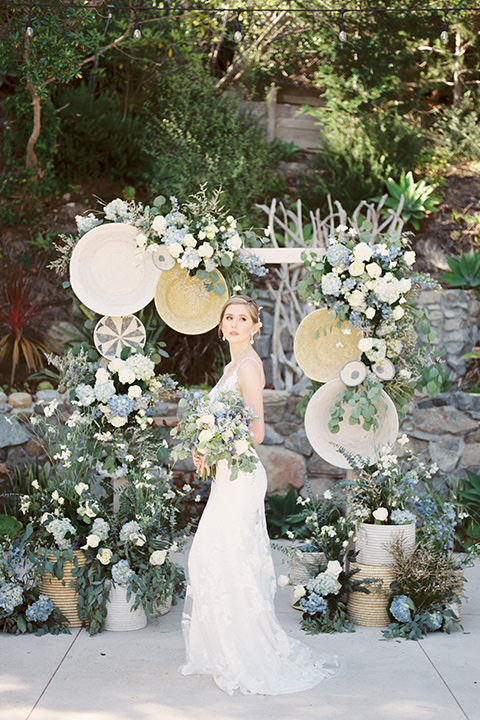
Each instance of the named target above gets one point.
<point>322,348</point>
<point>384,370</point>
<point>108,275</point>
<point>351,437</point>
<point>184,303</point>
<point>162,258</point>
<point>112,334</point>
<point>353,373</point>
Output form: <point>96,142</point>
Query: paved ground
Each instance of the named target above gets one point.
<point>134,675</point>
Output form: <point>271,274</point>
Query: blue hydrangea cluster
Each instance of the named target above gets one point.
<point>60,529</point>
<point>122,573</point>
<point>121,405</point>
<point>349,284</point>
<point>400,610</point>
<point>435,620</point>
<point>101,528</point>
<point>11,595</point>
<point>338,255</point>
<point>254,266</point>
<point>323,584</point>
<point>315,603</point>
<point>40,610</point>
<point>85,394</point>
<point>331,284</point>
<point>402,517</point>
<point>104,391</point>
<point>437,527</point>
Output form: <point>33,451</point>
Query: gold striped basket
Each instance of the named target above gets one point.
<point>60,592</point>
<point>371,610</point>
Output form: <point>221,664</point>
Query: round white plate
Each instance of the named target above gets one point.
<point>112,334</point>
<point>108,274</point>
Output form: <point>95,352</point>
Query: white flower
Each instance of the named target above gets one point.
<point>405,284</point>
<point>91,541</point>
<point>126,376</point>
<point>365,344</point>
<point>159,224</point>
<point>205,250</point>
<point>50,408</point>
<point>283,581</point>
<point>116,365</point>
<point>380,514</point>
<point>55,495</point>
<point>158,557</point>
<point>206,420</point>
<point>241,446</point>
<point>235,242</point>
<point>141,240</point>
<point>362,252</point>
<point>205,435</point>
<point>356,268</point>
<point>327,495</point>
<point>104,556</point>
<point>356,298</point>
<point>102,375</point>
<point>299,591</point>
<point>80,488</point>
<point>334,568</point>
<point>374,270</point>
<point>117,421</point>
<point>189,241</point>
<point>175,249</point>
<point>405,374</point>
<point>397,312</point>
<point>134,391</point>
<point>370,312</point>
<point>409,257</point>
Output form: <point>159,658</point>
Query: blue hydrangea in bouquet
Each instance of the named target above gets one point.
<point>218,429</point>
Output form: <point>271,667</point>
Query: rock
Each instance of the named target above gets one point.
<point>5,408</point>
<point>272,437</point>
<point>3,397</point>
<point>466,401</point>
<point>47,395</point>
<point>318,486</point>
<point>275,402</point>
<point>471,455</point>
<point>434,421</point>
<point>318,466</point>
<point>11,432</point>
<point>286,428</point>
<point>283,467</point>
<point>299,443</point>
<point>446,452</point>
<point>20,399</point>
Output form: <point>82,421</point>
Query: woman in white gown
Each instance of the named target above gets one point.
<point>229,622</point>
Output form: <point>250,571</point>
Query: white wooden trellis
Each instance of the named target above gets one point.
<point>289,238</point>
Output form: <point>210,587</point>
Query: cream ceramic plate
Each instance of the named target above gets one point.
<point>108,275</point>
<point>351,437</point>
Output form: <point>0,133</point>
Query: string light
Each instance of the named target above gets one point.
<point>342,35</point>
<point>237,35</point>
<point>444,33</point>
<point>136,28</point>
<point>29,28</point>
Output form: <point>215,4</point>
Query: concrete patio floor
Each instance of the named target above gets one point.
<point>134,675</point>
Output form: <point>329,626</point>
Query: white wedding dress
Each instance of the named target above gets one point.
<point>229,623</point>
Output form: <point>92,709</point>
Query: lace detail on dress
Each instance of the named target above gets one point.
<point>230,627</point>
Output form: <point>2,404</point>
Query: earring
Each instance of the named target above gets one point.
<point>251,339</point>
<point>223,336</point>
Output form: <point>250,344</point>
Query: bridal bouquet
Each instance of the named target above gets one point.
<point>217,429</point>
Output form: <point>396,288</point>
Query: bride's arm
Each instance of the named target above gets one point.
<point>250,381</point>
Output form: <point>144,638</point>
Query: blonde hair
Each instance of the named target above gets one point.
<point>252,307</point>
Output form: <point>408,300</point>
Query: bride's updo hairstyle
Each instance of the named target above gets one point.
<point>252,307</point>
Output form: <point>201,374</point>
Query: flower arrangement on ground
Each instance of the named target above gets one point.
<point>383,490</point>
<point>133,549</point>
<point>217,429</point>
<point>23,609</point>
<point>114,402</point>
<point>367,279</point>
<point>201,236</point>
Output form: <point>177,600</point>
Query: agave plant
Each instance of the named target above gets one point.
<point>418,198</point>
<point>464,271</point>
<point>25,320</point>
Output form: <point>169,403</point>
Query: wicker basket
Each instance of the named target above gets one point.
<point>373,541</point>
<point>371,610</point>
<point>304,565</point>
<point>60,592</point>
<point>120,616</point>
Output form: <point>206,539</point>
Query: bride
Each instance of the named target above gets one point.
<point>230,627</point>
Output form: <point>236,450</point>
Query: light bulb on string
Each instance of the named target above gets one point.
<point>237,35</point>
<point>342,35</point>
<point>29,28</point>
<point>444,33</point>
<point>136,28</point>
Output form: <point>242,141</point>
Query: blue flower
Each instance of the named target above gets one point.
<point>435,620</point>
<point>121,405</point>
<point>337,255</point>
<point>40,610</point>
<point>11,595</point>
<point>122,573</point>
<point>315,603</point>
<point>400,609</point>
<point>402,517</point>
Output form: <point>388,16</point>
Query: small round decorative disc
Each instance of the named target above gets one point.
<point>353,373</point>
<point>384,370</point>
<point>162,259</point>
<point>112,334</point>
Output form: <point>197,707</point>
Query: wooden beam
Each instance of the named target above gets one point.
<point>278,255</point>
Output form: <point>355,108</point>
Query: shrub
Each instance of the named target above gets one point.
<point>457,131</point>
<point>196,135</point>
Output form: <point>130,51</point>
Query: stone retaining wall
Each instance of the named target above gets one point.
<point>444,429</point>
